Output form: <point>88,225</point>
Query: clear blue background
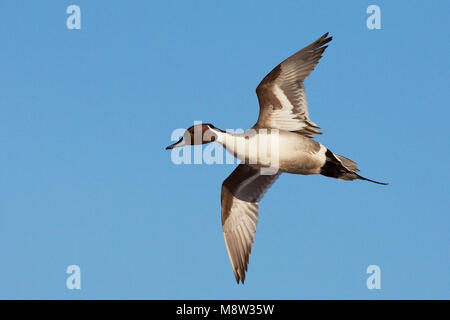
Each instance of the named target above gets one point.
<point>84,177</point>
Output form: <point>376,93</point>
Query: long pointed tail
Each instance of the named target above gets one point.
<point>365,179</point>
<point>342,168</point>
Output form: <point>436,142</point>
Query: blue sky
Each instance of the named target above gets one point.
<point>85,180</point>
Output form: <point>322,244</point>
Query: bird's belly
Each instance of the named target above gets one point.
<point>298,161</point>
<point>290,153</point>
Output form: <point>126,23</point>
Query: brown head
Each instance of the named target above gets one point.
<point>197,134</point>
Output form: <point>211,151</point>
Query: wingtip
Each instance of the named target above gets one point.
<point>326,35</point>
<point>239,279</point>
<point>322,41</point>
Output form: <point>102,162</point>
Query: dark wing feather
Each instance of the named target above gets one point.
<point>281,94</point>
<point>241,192</point>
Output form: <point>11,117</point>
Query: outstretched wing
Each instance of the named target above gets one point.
<point>281,94</point>
<point>241,192</point>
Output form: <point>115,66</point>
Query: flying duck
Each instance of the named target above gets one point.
<point>280,141</point>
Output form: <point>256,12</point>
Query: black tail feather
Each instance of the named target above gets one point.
<point>365,179</point>
<point>335,168</point>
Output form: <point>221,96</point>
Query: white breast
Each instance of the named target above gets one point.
<point>275,148</point>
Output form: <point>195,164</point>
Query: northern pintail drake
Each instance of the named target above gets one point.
<point>280,141</point>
